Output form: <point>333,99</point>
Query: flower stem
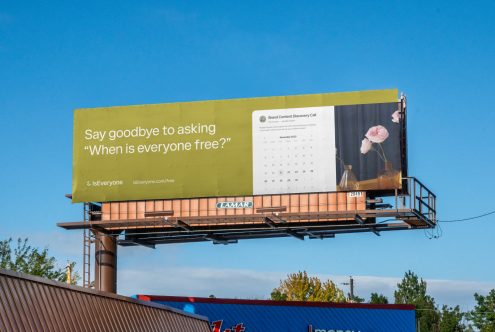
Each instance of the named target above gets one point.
<point>341,161</point>
<point>379,154</point>
<point>383,151</point>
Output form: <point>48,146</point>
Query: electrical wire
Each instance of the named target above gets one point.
<point>434,233</point>
<point>470,218</point>
<point>437,232</point>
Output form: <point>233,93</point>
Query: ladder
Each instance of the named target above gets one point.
<point>87,248</point>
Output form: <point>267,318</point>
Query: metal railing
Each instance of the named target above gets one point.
<point>418,198</point>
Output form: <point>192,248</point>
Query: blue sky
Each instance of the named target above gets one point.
<point>57,56</point>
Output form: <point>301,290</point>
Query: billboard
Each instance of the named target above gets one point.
<point>239,147</point>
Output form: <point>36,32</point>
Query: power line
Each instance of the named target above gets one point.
<point>481,312</point>
<point>470,218</point>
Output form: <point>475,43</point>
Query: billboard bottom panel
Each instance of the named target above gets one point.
<point>235,206</point>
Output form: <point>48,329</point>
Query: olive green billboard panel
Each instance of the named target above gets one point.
<point>237,147</point>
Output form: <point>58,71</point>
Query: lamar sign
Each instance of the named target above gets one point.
<point>235,205</point>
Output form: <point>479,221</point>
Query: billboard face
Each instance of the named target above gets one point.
<point>238,147</point>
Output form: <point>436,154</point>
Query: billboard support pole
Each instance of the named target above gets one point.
<point>106,262</point>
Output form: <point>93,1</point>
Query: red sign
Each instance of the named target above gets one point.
<point>217,327</point>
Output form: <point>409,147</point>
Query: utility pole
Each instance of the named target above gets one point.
<point>351,282</point>
<point>351,288</point>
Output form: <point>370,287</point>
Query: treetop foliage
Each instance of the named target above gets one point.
<point>376,298</point>
<point>26,259</point>
<point>300,287</point>
<point>411,290</point>
<point>483,314</point>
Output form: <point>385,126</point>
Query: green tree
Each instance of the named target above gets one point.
<point>26,259</point>
<point>300,287</point>
<point>412,290</point>
<point>451,319</point>
<point>276,295</point>
<point>483,314</point>
<point>356,299</point>
<point>378,299</point>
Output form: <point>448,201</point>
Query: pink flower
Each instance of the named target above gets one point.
<point>377,134</point>
<point>396,116</point>
<point>366,146</point>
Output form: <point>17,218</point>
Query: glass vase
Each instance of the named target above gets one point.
<point>348,181</point>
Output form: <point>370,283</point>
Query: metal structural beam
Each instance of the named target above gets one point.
<point>143,243</point>
<point>359,220</point>
<point>219,240</point>
<point>295,234</point>
<point>321,236</point>
<point>413,208</point>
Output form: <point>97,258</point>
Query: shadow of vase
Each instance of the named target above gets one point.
<point>388,177</point>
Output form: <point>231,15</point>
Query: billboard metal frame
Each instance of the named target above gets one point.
<point>411,209</point>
